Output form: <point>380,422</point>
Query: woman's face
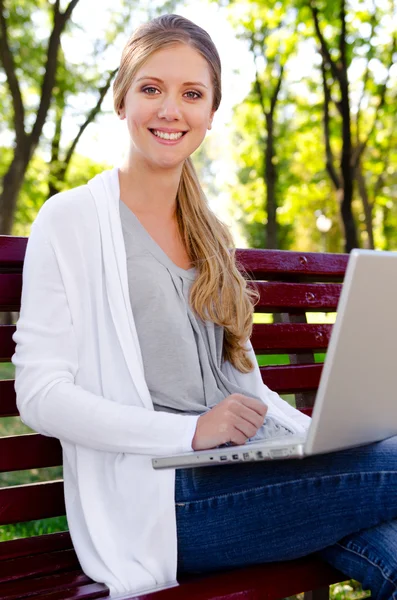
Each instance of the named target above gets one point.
<point>168,106</point>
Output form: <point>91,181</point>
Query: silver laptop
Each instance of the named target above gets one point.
<point>356,401</point>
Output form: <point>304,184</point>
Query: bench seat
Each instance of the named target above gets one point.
<point>46,566</point>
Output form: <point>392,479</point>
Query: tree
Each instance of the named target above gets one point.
<point>379,130</point>
<point>271,39</point>
<point>341,51</point>
<point>338,67</point>
<point>316,131</point>
<point>66,85</point>
<point>12,54</point>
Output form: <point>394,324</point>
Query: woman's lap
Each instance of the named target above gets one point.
<point>278,510</point>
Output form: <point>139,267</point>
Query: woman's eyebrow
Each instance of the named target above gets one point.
<point>161,81</point>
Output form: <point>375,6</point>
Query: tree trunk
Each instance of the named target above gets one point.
<point>270,182</point>
<point>367,206</point>
<point>351,240</point>
<point>12,184</point>
<point>26,144</point>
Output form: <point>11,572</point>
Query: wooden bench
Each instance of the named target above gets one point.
<point>46,566</point>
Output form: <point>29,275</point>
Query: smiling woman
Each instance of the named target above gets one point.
<point>164,105</point>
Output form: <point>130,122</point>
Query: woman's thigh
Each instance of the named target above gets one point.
<point>278,510</point>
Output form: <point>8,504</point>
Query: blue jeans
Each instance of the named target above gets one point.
<point>342,505</point>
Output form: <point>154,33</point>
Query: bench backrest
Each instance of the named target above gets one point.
<point>290,285</point>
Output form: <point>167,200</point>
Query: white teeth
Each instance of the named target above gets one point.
<point>168,136</point>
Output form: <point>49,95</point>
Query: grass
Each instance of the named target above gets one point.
<point>347,590</point>
<point>32,528</point>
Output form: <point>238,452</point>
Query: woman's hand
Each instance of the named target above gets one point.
<point>235,419</point>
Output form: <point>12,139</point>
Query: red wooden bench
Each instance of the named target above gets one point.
<point>45,566</point>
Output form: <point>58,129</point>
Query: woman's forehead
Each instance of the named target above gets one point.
<point>181,63</point>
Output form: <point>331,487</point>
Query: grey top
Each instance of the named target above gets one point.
<point>181,353</point>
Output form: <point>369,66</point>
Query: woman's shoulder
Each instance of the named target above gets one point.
<point>70,211</point>
<point>66,205</point>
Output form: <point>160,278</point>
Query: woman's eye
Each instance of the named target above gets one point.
<point>193,94</point>
<point>150,90</point>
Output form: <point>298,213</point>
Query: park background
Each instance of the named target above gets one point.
<point>303,150</point>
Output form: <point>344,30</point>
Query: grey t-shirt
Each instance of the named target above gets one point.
<point>182,354</point>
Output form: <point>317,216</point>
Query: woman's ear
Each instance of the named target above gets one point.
<point>211,119</point>
<point>121,112</point>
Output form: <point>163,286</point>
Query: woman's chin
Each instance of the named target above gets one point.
<point>168,164</point>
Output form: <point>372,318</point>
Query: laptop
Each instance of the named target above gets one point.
<point>356,402</point>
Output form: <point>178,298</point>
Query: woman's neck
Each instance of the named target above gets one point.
<point>149,192</point>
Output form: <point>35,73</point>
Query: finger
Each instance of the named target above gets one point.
<point>237,438</point>
<point>249,415</point>
<point>246,428</point>
<point>256,405</point>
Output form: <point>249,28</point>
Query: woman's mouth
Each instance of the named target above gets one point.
<point>167,136</point>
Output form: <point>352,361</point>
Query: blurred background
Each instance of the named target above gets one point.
<point>303,150</point>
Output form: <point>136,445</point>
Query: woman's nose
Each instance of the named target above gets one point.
<point>169,109</point>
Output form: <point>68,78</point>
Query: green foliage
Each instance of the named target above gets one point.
<point>304,186</point>
<point>32,528</point>
<point>34,191</point>
<point>347,590</point>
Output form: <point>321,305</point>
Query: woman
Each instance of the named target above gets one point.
<point>132,342</point>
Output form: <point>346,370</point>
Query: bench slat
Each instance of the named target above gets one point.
<point>296,297</point>
<point>12,251</point>
<point>8,407</point>
<point>31,502</point>
<point>267,581</point>
<point>282,379</point>
<point>29,451</point>
<point>68,585</point>
<point>290,378</point>
<point>274,296</point>
<point>86,592</point>
<point>289,337</point>
<point>10,291</point>
<point>262,263</point>
<point>38,564</point>
<point>265,264</point>
<point>282,336</point>
<point>38,544</point>
<point>7,344</point>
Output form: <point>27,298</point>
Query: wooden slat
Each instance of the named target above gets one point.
<point>38,564</point>
<point>8,406</point>
<point>28,452</point>
<point>297,297</point>
<point>67,585</point>
<point>279,264</point>
<point>289,337</point>
<point>263,263</point>
<point>7,345</point>
<point>10,291</point>
<point>30,502</point>
<point>289,379</point>
<point>12,252</point>
<point>267,581</point>
<point>38,544</point>
<point>85,592</point>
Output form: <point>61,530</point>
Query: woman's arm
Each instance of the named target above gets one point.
<point>46,364</point>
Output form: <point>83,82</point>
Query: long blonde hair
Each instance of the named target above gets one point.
<point>219,292</point>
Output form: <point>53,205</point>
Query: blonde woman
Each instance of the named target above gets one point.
<point>133,341</point>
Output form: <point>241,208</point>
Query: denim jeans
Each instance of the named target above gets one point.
<point>342,505</point>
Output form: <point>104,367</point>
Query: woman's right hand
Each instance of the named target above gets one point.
<point>235,419</point>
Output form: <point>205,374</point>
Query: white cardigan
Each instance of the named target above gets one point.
<point>79,378</point>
